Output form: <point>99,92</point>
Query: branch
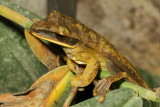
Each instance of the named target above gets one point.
<point>143,92</point>
<point>15,17</point>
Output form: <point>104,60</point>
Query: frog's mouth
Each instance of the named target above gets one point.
<point>56,38</point>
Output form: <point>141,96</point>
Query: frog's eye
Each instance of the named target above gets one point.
<point>67,40</point>
<point>73,41</point>
<point>56,38</point>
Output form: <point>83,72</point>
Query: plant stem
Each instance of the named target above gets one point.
<point>15,17</point>
<point>142,92</point>
<point>70,97</point>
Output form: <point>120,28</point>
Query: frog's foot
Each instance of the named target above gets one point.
<point>101,88</point>
<point>103,85</point>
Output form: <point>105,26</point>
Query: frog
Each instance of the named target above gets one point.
<point>84,46</point>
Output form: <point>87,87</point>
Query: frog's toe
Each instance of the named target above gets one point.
<point>101,88</point>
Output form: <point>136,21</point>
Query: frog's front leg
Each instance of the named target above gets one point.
<point>72,66</point>
<point>89,73</point>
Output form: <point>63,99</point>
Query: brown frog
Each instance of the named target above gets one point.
<point>84,46</point>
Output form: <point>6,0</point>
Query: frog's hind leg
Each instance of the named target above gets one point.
<point>103,85</point>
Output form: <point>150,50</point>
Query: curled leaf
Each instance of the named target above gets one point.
<point>50,90</point>
<point>45,55</point>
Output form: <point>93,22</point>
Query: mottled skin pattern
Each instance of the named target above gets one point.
<point>89,43</point>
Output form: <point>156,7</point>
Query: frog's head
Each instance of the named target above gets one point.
<point>54,29</point>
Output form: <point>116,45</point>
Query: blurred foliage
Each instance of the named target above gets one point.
<point>152,80</point>
<point>18,65</point>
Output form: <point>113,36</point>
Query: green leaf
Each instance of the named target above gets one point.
<point>134,102</point>
<point>153,81</point>
<point>19,67</point>
<point>117,98</point>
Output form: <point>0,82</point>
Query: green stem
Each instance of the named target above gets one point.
<point>15,17</point>
<point>143,92</point>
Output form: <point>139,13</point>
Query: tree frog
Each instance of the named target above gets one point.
<point>84,46</point>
